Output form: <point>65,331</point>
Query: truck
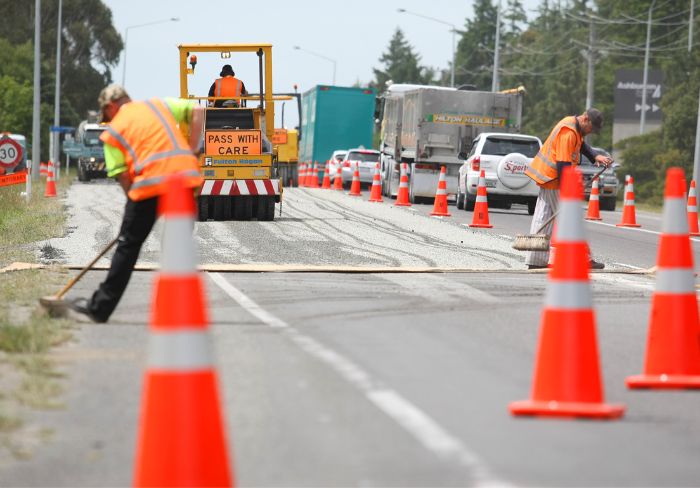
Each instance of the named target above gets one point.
<point>428,127</point>
<point>90,157</point>
<point>335,117</point>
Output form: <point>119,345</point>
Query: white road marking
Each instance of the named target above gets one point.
<point>637,229</point>
<point>438,289</point>
<point>627,266</point>
<point>416,422</point>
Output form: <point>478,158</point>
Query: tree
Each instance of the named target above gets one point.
<point>475,48</point>
<point>401,65</point>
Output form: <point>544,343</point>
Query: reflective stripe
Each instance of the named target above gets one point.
<point>180,350</point>
<point>156,180</point>
<point>481,199</point>
<point>675,280</point>
<point>674,219</point>
<point>569,226</point>
<point>179,255</point>
<point>629,203</point>
<point>571,295</point>
<point>441,191</point>
<point>540,176</point>
<point>242,187</point>
<point>165,123</point>
<point>123,142</point>
<point>162,155</point>
<point>594,197</point>
<point>260,186</point>
<point>692,208</point>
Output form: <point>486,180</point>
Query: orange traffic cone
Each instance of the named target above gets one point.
<point>375,194</point>
<point>307,174</point>
<point>43,169</point>
<point>326,177</point>
<point>181,434</point>
<point>402,195</point>
<point>440,205</point>
<point>50,182</point>
<point>629,215</point>
<point>567,381</point>
<point>673,350</point>
<point>693,211</point>
<point>313,181</point>
<point>594,202</point>
<point>355,188</point>
<point>301,175</point>
<point>338,180</point>
<point>481,207</point>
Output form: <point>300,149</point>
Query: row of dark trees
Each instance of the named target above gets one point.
<point>544,54</point>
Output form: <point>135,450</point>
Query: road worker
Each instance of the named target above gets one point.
<point>563,147</point>
<point>143,146</point>
<point>227,86</point>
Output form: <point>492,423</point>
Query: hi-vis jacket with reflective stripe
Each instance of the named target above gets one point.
<point>543,168</point>
<point>228,86</point>
<point>153,147</point>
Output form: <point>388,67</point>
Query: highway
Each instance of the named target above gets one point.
<point>370,377</point>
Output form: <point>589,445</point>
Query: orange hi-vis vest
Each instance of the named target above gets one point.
<point>153,147</point>
<point>543,168</point>
<point>228,86</point>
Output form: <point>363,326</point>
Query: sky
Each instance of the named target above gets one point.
<point>352,33</point>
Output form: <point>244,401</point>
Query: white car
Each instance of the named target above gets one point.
<point>366,159</point>
<point>335,161</point>
<point>504,158</point>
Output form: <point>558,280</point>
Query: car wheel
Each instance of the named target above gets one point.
<point>460,198</point>
<point>469,204</point>
<point>506,205</point>
<point>203,208</point>
<point>411,197</point>
<point>531,207</point>
<point>608,204</point>
<point>219,204</point>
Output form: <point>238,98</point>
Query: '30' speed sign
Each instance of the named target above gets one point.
<point>10,153</point>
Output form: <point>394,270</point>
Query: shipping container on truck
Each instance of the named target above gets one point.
<point>335,117</point>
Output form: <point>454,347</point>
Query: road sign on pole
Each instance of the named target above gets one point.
<point>629,95</point>
<point>10,153</point>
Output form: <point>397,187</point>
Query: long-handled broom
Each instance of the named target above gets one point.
<point>539,241</point>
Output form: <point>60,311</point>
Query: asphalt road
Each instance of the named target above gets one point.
<point>372,379</point>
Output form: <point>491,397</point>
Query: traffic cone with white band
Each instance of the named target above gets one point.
<point>402,195</point>
<point>375,194</point>
<point>181,435</point>
<point>355,187</point>
<point>693,211</point>
<point>593,212</point>
<point>567,380</point>
<point>481,207</point>
<point>440,205</point>
<point>313,180</point>
<point>326,177</point>
<point>673,345</point>
<point>629,215</point>
<point>50,190</point>
<point>338,180</point>
<point>301,175</point>
<point>43,169</point>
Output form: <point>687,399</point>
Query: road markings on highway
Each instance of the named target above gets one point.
<point>439,289</point>
<point>413,420</point>
<point>636,229</point>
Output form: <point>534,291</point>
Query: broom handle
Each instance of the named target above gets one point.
<point>554,215</point>
<point>86,268</point>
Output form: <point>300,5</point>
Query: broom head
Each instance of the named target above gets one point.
<point>531,242</point>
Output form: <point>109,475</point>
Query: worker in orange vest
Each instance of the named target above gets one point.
<point>143,146</point>
<point>227,86</point>
<point>563,147</point>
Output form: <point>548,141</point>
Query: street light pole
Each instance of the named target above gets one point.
<point>126,39</point>
<point>298,48</point>
<point>643,117</point>
<point>36,114</point>
<point>495,82</point>
<point>55,138</point>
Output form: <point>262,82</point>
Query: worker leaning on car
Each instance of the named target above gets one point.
<point>562,148</point>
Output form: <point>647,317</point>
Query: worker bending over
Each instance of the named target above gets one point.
<point>227,86</point>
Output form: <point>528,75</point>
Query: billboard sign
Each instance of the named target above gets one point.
<point>628,95</point>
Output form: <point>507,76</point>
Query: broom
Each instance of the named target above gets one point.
<point>539,241</point>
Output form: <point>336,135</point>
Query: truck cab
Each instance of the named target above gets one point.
<point>91,159</point>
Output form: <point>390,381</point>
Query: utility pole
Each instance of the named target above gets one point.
<point>643,117</point>
<point>590,57</point>
<point>690,24</point>
<point>496,84</point>
<point>696,160</point>
<point>36,115</point>
<point>55,136</point>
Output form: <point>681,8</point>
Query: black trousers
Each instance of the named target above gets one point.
<point>137,223</point>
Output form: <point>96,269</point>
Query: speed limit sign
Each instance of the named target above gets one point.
<point>10,153</point>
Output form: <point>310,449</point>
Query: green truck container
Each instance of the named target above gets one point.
<point>335,117</point>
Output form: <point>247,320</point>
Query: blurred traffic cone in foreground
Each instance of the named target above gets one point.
<point>181,434</point>
<point>673,346</point>
<point>567,380</point>
<point>375,194</point>
<point>326,177</point>
<point>440,205</point>
<point>629,214</point>
<point>594,202</point>
<point>338,180</point>
<point>355,188</point>
<point>481,207</point>
<point>313,180</point>
<point>693,211</point>
<point>50,190</point>
<point>402,195</point>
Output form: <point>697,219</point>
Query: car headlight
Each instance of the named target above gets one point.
<point>92,160</point>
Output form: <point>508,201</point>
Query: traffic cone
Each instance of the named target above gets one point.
<point>440,205</point>
<point>375,194</point>
<point>307,173</point>
<point>402,195</point>
<point>693,211</point>
<point>181,438</point>
<point>313,180</point>
<point>481,207</point>
<point>355,188</point>
<point>593,212</point>
<point>673,349</point>
<point>326,177</point>
<point>301,174</point>
<point>50,182</point>
<point>43,169</point>
<point>338,180</point>
<point>567,379</point>
<point>629,215</point>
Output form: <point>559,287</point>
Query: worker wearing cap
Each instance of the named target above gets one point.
<point>143,146</point>
<point>562,148</point>
<point>227,86</point>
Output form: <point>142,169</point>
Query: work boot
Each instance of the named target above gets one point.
<point>537,266</point>
<point>596,265</point>
<point>82,307</point>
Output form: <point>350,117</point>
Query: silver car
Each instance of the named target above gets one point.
<point>608,183</point>
<point>366,159</point>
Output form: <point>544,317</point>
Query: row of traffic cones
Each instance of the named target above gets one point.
<point>567,378</point>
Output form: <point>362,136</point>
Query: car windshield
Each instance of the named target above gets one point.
<point>364,157</point>
<point>499,146</point>
<point>92,138</point>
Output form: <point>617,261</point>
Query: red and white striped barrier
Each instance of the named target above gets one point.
<point>240,187</point>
